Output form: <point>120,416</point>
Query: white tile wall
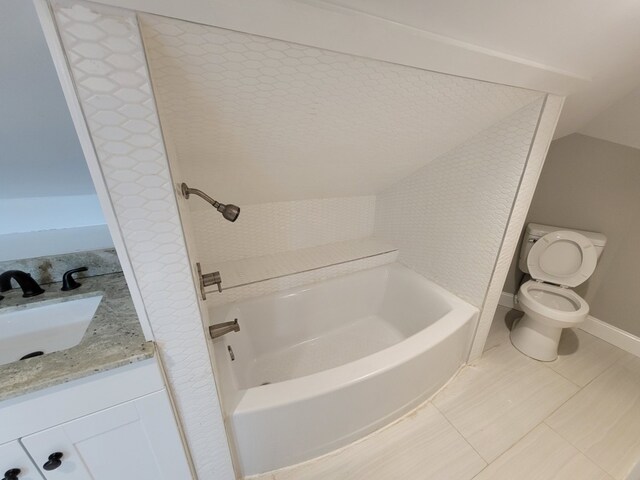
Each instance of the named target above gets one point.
<point>303,278</point>
<point>272,228</point>
<point>448,219</point>
<point>539,148</point>
<point>107,62</point>
<point>258,120</point>
<point>265,267</point>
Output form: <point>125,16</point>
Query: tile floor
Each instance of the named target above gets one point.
<point>507,416</point>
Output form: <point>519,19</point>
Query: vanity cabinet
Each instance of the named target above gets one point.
<point>14,462</point>
<point>137,439</point>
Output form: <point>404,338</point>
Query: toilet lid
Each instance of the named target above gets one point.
<point>563,257</point>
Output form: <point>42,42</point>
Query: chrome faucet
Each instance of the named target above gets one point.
<point>29,286</point>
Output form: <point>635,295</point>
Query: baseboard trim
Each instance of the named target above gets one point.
<point>613,335</point>
<point>508,300</point>
<point>604,331</point>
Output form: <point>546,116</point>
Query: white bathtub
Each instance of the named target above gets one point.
<point>320,366</point>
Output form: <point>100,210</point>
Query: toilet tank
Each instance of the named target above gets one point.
<point>534,231</point>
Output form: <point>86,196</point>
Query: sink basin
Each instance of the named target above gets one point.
<point>45,327</point>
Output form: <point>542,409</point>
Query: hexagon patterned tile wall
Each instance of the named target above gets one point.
<point>107,61</point>
<point>544,133</point>
<point>257,120</point>
<point>449,218</point>
<point>277,227</point>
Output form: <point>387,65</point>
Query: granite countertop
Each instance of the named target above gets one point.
<point>113,338</point>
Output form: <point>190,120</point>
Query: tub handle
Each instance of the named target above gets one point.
<point>208,279</point>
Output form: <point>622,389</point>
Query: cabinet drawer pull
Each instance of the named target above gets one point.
<point>11,474</point>
<point>54,461</point>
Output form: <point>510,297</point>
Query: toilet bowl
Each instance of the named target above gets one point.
<point>547,310</point>
<point>556,260</point>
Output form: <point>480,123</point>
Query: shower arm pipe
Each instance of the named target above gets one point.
<point>186,191</point>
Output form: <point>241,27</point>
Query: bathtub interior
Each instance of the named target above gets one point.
<point>314,328</point>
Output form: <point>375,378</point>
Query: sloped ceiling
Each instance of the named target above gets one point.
<point>590,38</point>
<point>586,49</point>
<point>620,123</point>
<point>254,120</point>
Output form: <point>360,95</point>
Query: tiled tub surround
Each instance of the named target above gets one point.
<point>304,277</point>
<point>300,138</point>
<point>50,269</point>
<point>385,332</point>
<point>448,218</point>
<point>110,81</point>
<point>113,338</point>
<point>248,271</point>
<point>278,227</point>
<point>257,120</point>
<point>506,417</point>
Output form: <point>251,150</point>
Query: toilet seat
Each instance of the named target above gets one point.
<point>563,258</point>
<point>556,306</point>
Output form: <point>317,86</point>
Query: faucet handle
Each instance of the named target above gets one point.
<point>68,282</point>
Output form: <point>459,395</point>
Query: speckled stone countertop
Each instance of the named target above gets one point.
<point>113,339</point>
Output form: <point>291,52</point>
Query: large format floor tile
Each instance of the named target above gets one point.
<point>501,398</point>
<point>542,455</point>
<point>582,357</point>
<point>421,446</point>
<point>603,420</point>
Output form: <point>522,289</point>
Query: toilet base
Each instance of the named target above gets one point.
<point>535,339</point>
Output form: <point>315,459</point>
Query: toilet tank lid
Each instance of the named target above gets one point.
<point>539,230</point>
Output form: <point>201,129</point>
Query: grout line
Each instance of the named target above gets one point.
<point>464,438</point>
<point>544,364</point>
<point>544,421</point>
<point>593,460</point>
<point>534,362</point>
<point>585,454</point>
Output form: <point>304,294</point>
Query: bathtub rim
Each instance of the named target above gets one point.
<point>264,397</point>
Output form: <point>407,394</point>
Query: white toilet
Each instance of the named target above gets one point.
<point>557,261</point>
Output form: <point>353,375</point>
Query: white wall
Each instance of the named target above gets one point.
<point>42,226</point>
<point>47,198</point>
<point>29,214</point>
<point>40,154</point>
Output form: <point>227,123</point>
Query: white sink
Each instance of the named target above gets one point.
<point>46,327</point>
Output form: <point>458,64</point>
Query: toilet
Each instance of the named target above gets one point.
<point>557,260</point>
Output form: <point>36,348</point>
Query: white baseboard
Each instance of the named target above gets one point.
<point>610,334</point>
<point>508,300</point>
<point>613,335</point>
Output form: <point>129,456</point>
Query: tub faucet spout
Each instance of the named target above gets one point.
<point>220,329</point>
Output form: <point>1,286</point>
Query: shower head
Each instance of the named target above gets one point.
<point>230,211</point>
